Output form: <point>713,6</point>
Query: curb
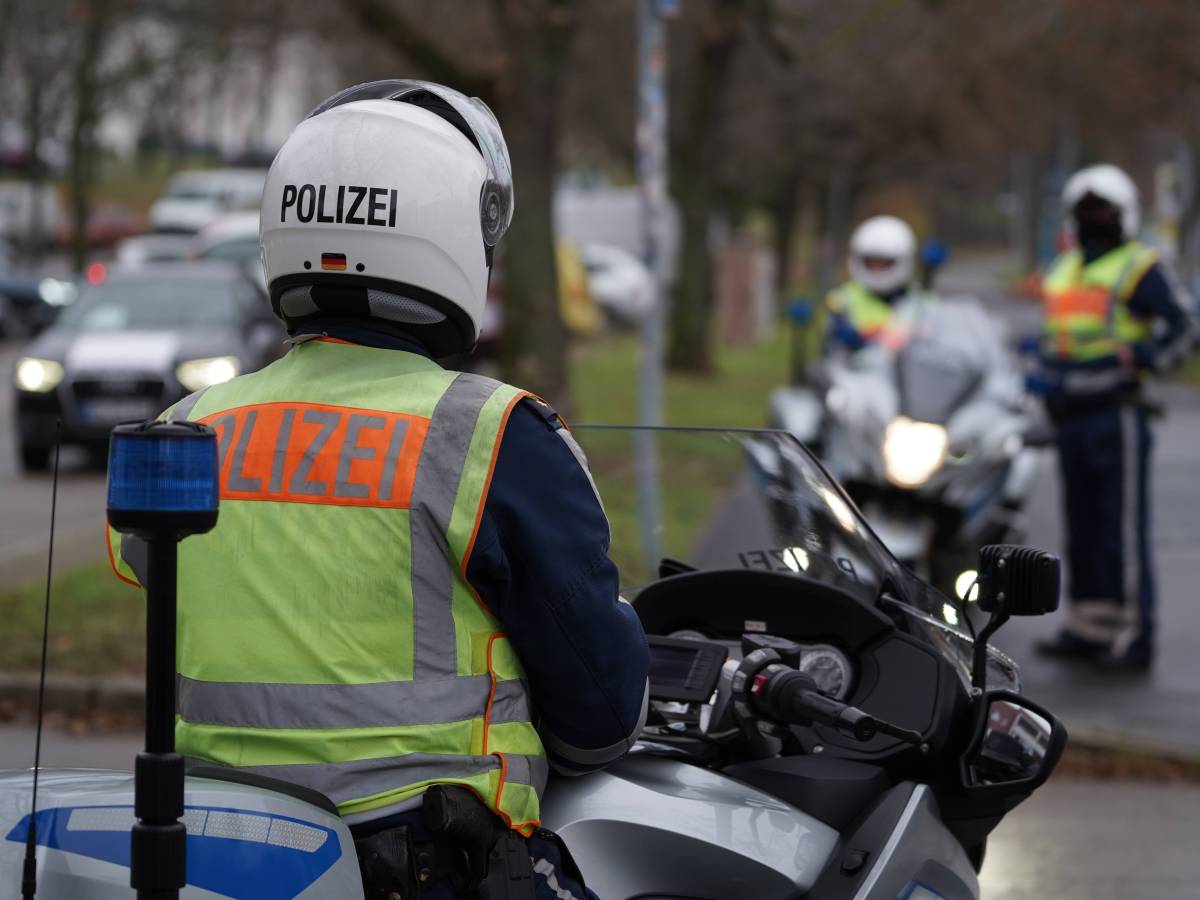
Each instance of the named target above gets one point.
<point>1083,738</point>
<point>74,694</point>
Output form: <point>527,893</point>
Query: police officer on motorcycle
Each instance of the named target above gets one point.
<point>409,592</point>
<point>1112,319</point>
<point>882,266</point>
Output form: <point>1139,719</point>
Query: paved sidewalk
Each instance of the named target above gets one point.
<point>1089,840</point>
<point>1162,709</point>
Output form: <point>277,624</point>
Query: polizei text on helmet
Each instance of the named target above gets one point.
<point>342,204</point>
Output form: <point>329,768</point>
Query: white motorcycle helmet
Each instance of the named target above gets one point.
<point>882,256</point>
<point>1109,183</point>
<point>386,203</point>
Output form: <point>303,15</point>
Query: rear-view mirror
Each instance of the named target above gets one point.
<point>1017,743</point>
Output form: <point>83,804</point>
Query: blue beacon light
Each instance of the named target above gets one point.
<point>163,485</point>
<point>163,479</point>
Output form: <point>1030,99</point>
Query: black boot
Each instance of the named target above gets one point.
<point>1135,659</point>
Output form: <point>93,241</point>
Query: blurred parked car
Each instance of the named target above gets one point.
<point>619,282</point>
<point>195,198</point>
<point>144,249</point>
<point>16,209</point>
<point>28,301</point>
<point>107,224</point>
<point>134,344</point>
<point>233,238</point>
<point>593,279</point>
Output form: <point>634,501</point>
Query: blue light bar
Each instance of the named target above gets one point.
<point>160,471</point>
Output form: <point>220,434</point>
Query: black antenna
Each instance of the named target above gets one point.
<point>29,870</point>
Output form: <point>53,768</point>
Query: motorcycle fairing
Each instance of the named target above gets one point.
<point>239,853</point>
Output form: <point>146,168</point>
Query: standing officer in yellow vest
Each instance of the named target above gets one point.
<point>409,585</point>
<point>882,263</point>
<point>1112,318</point>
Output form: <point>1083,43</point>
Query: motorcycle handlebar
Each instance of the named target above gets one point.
<point>791,697</point>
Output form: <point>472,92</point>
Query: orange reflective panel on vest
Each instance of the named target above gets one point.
<point>314,453</point>
<point>1080,300</point>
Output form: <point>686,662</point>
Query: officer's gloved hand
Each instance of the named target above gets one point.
<point>847,335</point>
<point>1039,384</point>
<point>1029,345</point>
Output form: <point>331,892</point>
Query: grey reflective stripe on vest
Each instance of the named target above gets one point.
<point>334,706</point>
<point>530,770</point>
<point>353,780</point>
<point>180,411</point>
<point>435,488</point>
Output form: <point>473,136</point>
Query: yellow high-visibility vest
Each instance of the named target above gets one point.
<point>327,632</point>
<point>1087,305</point>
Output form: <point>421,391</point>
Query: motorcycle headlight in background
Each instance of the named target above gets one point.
<point>912,451</point>
<point>38,375</point>
<point>201,373</point>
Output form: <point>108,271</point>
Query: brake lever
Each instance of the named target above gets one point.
<point>904,734</point>
<point>860,725</point>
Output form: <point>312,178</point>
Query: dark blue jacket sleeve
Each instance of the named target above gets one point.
<point>1158,301</point>
<point>541,565</point>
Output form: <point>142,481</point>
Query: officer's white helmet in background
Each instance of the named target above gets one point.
<point>1111,184</point>
<point>882,255</point>
<point>386,203</point>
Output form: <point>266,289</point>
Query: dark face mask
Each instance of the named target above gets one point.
<point>1097,224</point>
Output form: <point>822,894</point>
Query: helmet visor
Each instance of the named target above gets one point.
<point>879,263</point>
<point>472,117</point>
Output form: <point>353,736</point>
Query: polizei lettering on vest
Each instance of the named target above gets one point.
<point>314,453</point>
<point>343,204</point>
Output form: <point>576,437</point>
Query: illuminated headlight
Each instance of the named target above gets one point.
<point>912,451</point>
<point>966,581</point>
<point>38,375</point>
<point>201,373</point>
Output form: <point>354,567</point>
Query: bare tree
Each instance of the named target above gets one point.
<point>521,76</point>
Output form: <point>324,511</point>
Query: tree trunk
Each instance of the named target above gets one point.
<point>36,240</point>
<point>785,210</point>
<point>1027,211</point>
<point>690,347</point>
<point>526,95</point>
<point>533,351</point>
<point>85,87</point>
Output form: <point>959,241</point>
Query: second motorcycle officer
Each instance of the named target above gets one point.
<point>409,585</point>
<point>1112,319</point>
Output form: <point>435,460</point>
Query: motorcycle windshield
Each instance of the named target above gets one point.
<point>735,499</point>
<point>747,499</point>
<point>947,350</point>
<point>932,386</point>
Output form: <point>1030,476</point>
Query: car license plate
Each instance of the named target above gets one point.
<point>111,410</point>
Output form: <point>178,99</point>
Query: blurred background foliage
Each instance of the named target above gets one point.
<point>789,119</point>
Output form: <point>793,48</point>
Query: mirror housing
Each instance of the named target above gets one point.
<point>1018,581</point>
<point>1015,746</point>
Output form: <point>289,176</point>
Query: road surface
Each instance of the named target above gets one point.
<point>25,501</point>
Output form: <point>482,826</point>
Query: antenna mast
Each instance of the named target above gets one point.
<point>29,870</point>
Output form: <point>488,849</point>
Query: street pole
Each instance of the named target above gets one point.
<point>651,142</point>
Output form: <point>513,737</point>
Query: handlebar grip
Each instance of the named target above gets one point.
<point>791,697</point>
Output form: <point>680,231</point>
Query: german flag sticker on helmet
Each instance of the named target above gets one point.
<point>333,262</point>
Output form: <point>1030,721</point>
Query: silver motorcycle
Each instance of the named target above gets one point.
<point>930,431</point>
<point>817,727</point>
